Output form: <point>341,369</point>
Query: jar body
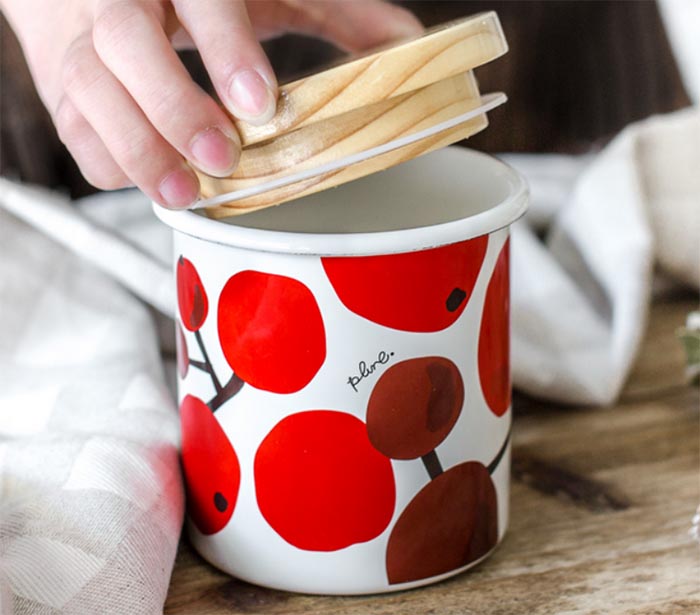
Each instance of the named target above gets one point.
<point>346,419</point>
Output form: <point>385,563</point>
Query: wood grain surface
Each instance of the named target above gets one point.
<point>353,171</point>
<point>601,507</point>
<point>360,104</point>
<point>444,51</point>
<point>351,133</point>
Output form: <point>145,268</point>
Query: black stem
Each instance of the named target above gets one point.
<point>205,367</point>
<point>226,392</point>
<point>207,362</point>
<point>432,464</point>
<point>499,455</point>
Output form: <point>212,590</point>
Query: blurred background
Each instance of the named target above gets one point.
<point>576,74</point>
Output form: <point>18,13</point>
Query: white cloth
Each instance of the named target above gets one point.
<point>91,498</point>
<point>682,20</point>
<point>580,298</point>
<point>90,492</point>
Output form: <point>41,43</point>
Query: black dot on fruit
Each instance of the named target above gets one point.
<point>220,502</point>
<point>455,299</point>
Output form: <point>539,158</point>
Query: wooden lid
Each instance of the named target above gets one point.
<point>358,105</point>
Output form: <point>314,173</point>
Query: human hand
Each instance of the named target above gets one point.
<point>125,106</point>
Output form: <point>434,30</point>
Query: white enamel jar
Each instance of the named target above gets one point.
<point>344,378</point>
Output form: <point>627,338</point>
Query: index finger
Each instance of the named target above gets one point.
<point>237,64</point>
<point>131,42</point>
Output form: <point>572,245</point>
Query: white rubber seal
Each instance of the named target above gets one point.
<point>488,102</point>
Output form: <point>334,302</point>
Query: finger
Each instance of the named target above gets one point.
<point>127,32</point>
<point>237,65</point>
<point>353,26</point>
<point>135,145</point>
<point>95,162</point>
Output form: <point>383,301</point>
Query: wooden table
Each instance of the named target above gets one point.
<point>601,508</point>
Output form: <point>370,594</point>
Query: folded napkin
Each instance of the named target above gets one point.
<point>90,493</point>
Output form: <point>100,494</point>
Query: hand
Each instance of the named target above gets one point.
<point>124,104</point>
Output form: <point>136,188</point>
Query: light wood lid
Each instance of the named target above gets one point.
<point>441,52</point>
<point>361,104</point>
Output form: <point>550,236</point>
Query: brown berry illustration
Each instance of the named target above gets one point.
<point>450,523</point>
<point>413,406</point>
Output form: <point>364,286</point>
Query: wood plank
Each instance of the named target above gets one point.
<point>601,508</point>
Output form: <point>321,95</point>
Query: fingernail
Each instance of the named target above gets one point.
<point>179,189</point>
<point>251,98</point>
<point>214,152</point>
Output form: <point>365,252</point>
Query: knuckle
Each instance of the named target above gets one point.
<point>181,112</point>
<point>70,124</point>
<point>138,154</point>
<point>167,99</point>
<point>77,70</point>
<point>113,24</point>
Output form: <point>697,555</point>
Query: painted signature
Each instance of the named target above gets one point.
<point>364,369</point>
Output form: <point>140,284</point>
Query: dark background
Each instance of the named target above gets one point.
<point>577,72</point>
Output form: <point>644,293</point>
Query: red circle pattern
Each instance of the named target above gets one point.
<point>211,468</point>
<point>271,331</point>
<point>320,483</point>
<point>494,337</point>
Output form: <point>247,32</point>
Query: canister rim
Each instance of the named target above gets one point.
<point>498,216</point>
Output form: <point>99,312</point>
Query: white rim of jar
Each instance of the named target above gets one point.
<point>500,215</point>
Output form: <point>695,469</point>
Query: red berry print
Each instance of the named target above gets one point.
<point>181,353</point>
<point>191,298</point>
<point>421,291</point>
<point>320,484</point>
<point>271,331</point>
<point>413,406</point>
<point>211,468</point>
<point>494,345</point>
